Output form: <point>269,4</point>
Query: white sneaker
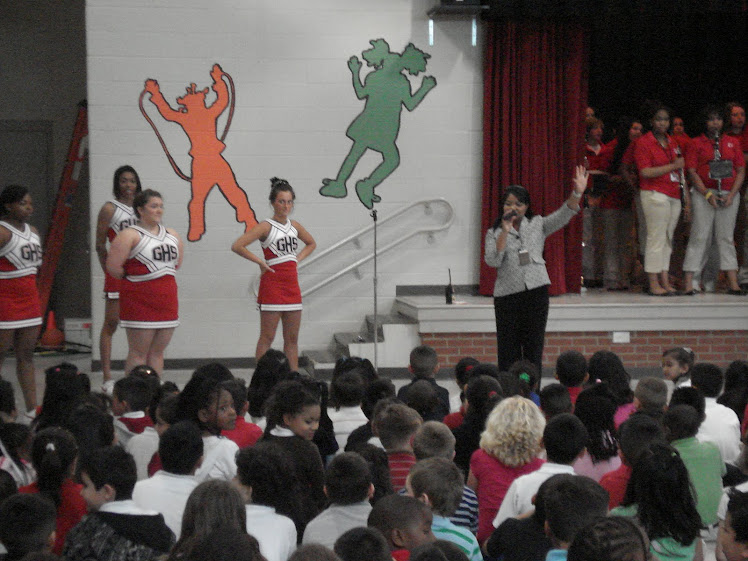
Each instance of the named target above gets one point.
<point>27,418</point>
<point>108,387</point>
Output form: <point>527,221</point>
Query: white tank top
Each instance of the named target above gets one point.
<point>159,254</point>
<point>23,251</point>
<point>281,244</point>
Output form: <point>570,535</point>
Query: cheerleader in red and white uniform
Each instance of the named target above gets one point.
<point>20,310</point>
<point>146,257</point>
<point>114,216</point>
<point>279,297</point>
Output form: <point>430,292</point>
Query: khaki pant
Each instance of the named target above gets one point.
<point>661,215</point>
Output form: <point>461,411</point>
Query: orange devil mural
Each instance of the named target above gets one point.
<point>209,167</point>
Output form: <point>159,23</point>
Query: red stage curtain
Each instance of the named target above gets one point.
<point>535,93</point>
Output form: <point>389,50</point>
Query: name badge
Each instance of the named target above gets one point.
<point>524,257</point>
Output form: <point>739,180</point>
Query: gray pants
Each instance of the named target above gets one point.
<point>708,221</point>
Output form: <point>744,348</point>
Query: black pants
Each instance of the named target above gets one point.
<point>520,326</point>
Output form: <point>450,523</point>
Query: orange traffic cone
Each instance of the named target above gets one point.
<point>52,337</point>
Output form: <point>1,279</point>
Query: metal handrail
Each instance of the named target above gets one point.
<point>353,266</point>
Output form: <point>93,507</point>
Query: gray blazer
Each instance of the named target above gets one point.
<point>511,277</point>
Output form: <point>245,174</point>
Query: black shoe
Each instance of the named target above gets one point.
<point>736,292</point>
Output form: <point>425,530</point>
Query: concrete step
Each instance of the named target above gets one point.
<point>387,319</point>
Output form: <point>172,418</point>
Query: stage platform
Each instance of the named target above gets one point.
<point>636,326</point>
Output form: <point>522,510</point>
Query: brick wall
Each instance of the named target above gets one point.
<point>644,350</point>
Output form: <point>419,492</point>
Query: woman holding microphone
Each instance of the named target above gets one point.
<point>514,245</point>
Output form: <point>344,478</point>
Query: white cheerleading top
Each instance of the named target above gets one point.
<point>158,253</point>
<point>123,217</point>
<point>23,251</point>
<point>281,244</point>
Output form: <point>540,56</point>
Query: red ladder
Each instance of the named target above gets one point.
<point>61,213</point>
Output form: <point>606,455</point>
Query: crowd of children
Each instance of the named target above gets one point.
<point>589,468</point>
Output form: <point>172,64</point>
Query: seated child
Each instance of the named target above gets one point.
<point>207,403</point>
<point>659,496</point>
<point>635,436</point>
<point>244,433</point>
<point>733,536</point>
<point>688,395</point>
<point>435,440</point>
<point>348,486</point>
<point>395,425</point>
<point>677,364</point>
<point>404,522</point>
<point>422,397</point>
<point>15,446</point>
<point>115,527</point>
<point>481,396</point>
<point>424,364</point>
<point>703,461</point>
<point>130,400</point>
<point>572,503</point>
<point>564,439</point>
<point>293,417</point>
<point>362,543</point>
<point>379,467</point>
<point>571,372</point>
<point>721,425</point>
<point>27,525</point>
<point>463,373</point>
<point>181,451</point>
<point>265,479</point>
<point>613,538</point>
<point>438,483</point>
<point>596,408</point>
<point>528,378</point>
<point>523,539</point>
<point>554,400</point>
<point>54,454</point>
<point>346,393</point>
<point>165,416</point>
<point>650,397</point>
<point>376,391</point>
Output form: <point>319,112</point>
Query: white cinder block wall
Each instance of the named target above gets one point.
<point>294,101</point>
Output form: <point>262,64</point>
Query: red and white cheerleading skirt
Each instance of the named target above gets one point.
<point>279,291</point>
<point>151,304</point>
<point>19,303</point>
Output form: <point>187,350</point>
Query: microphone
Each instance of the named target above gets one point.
<point>509,215</point>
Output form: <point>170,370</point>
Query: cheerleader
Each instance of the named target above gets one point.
<point>116,215</point>
<point>20,309</point>
<point>146,256</point>
<point>279,298</point>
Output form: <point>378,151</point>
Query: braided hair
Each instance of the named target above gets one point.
<point>613,538</point>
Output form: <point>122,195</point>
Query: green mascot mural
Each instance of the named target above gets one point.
<point>386,90</point>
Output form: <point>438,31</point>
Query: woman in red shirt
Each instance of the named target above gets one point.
<point>711,156</point>
<point>661,175</point>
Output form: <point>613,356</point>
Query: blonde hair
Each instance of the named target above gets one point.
<point>513,431</point>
